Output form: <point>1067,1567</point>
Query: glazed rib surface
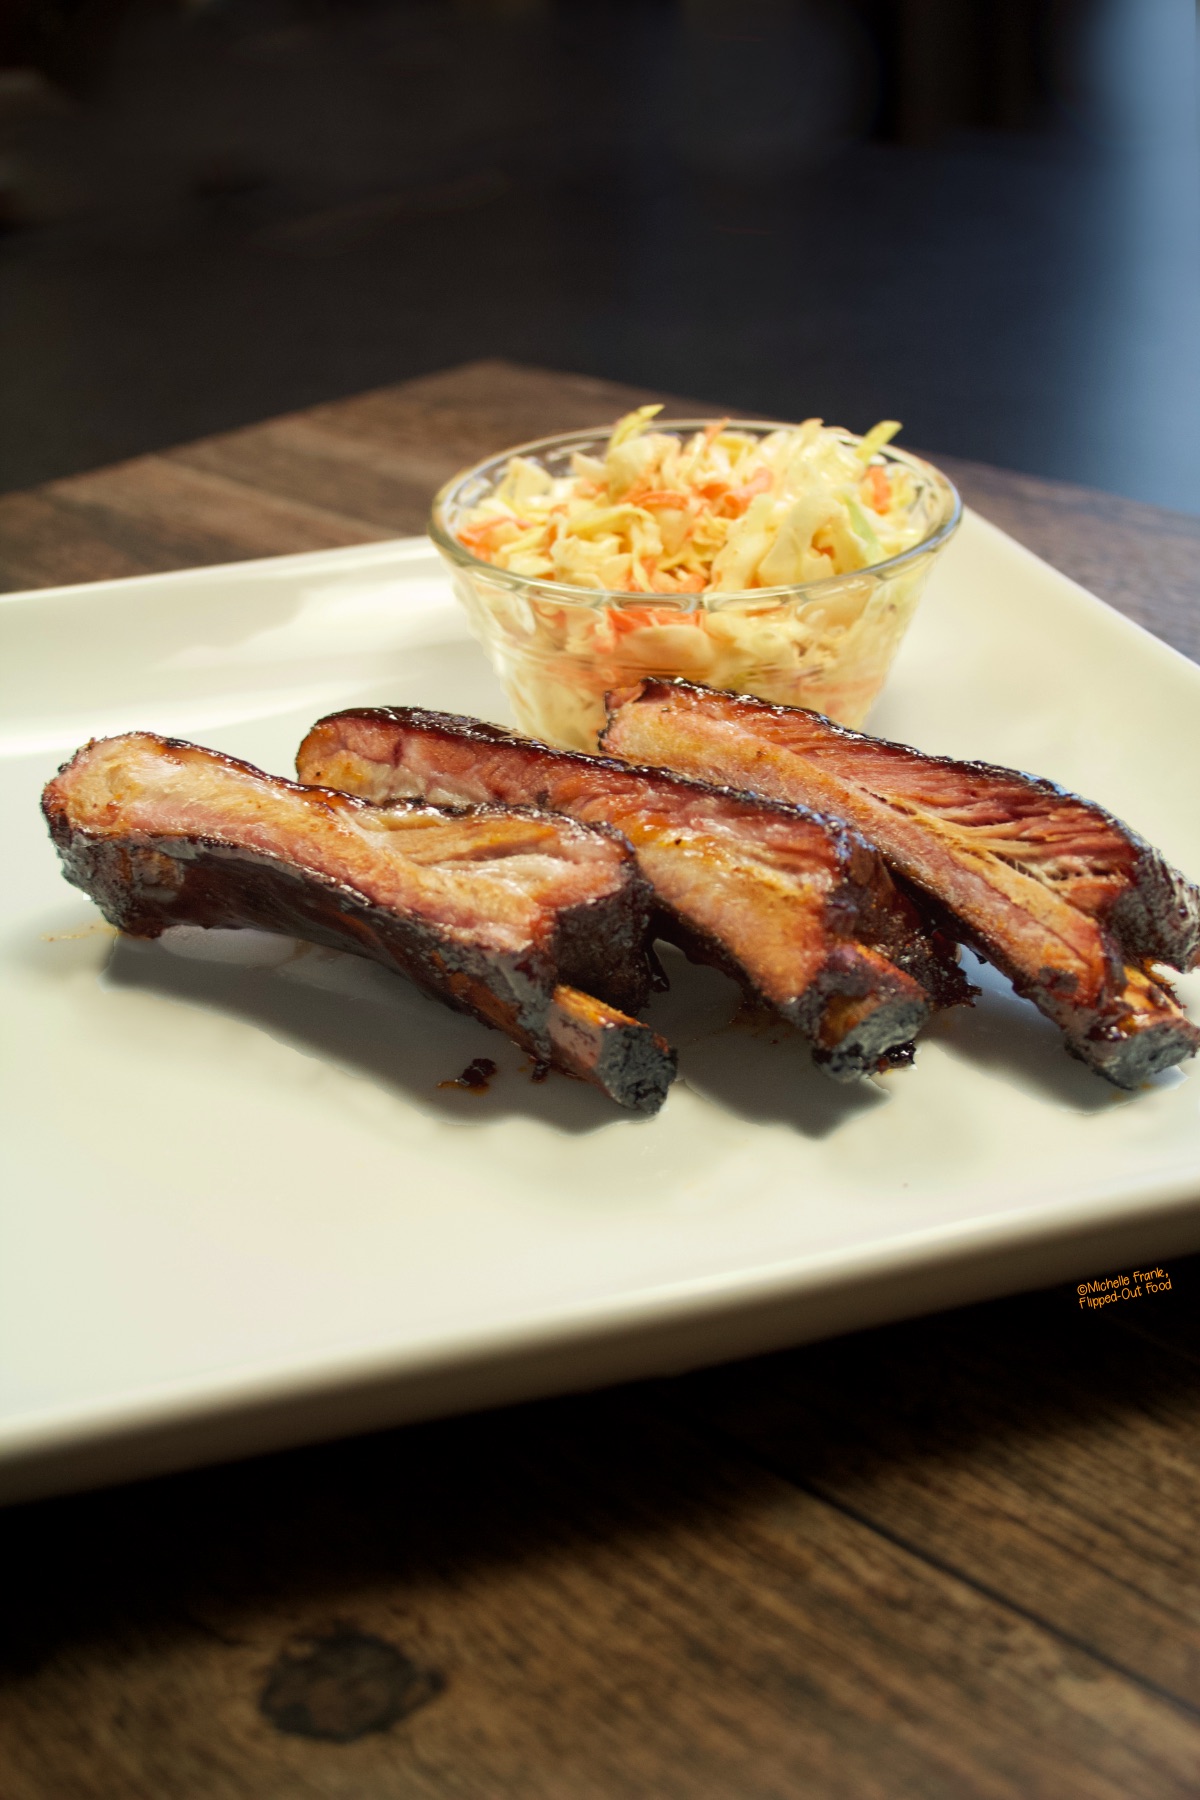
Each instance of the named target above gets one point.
<point>499,912</point>
<point>802,912</point>
<point>1067,901</point>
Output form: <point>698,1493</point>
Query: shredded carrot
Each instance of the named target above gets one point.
<point>678,581</point>
<point>738,499</point>
<point>478,537</point>
<point>658,497</point>
<point>636,618</point>
<point>879,488</point>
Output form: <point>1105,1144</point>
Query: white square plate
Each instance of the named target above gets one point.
<point>239,1211</point>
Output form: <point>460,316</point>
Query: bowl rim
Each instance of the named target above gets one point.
<point>567,593</point>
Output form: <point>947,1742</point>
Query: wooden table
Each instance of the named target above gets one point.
<point>955,1557</point>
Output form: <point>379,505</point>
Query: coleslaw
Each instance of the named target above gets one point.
<point>740,556</point>
<point>722,511</point>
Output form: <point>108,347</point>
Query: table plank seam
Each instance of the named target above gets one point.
<point>817,1491</point>
<point>1146,1334</point>
<point>216,482</point>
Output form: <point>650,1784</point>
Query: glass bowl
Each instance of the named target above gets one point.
<point>558,649</point>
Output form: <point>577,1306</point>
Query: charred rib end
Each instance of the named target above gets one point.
<point>1159,915</point>
<point>1128,1061</point>
<point>861,1035</point>
<point>623,1058</point>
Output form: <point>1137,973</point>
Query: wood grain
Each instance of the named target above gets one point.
<point>948,1559</point>
<point>349,472</point>
<point>1064,1476</point>
<point>611,1604</point>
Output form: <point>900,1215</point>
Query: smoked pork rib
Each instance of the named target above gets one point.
<point>1062,897</point>
<point>803,913</point>
<point>502,913</point>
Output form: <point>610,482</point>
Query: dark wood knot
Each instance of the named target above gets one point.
<point>343,1685</point>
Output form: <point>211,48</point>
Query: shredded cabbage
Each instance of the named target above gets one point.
<point>675,541</point>
<point>722,511</point>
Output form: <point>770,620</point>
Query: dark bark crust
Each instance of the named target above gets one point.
<point>144,885</point>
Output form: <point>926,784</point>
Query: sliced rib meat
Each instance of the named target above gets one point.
<point>802,912</point>
<point>500,912</point>
<point>1067,901</point>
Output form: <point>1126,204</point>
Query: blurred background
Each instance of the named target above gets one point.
<point>979,216</point>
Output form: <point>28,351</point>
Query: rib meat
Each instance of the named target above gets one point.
<point>500,912</point>
<point>802,912</point>
<point>1066,900</point>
